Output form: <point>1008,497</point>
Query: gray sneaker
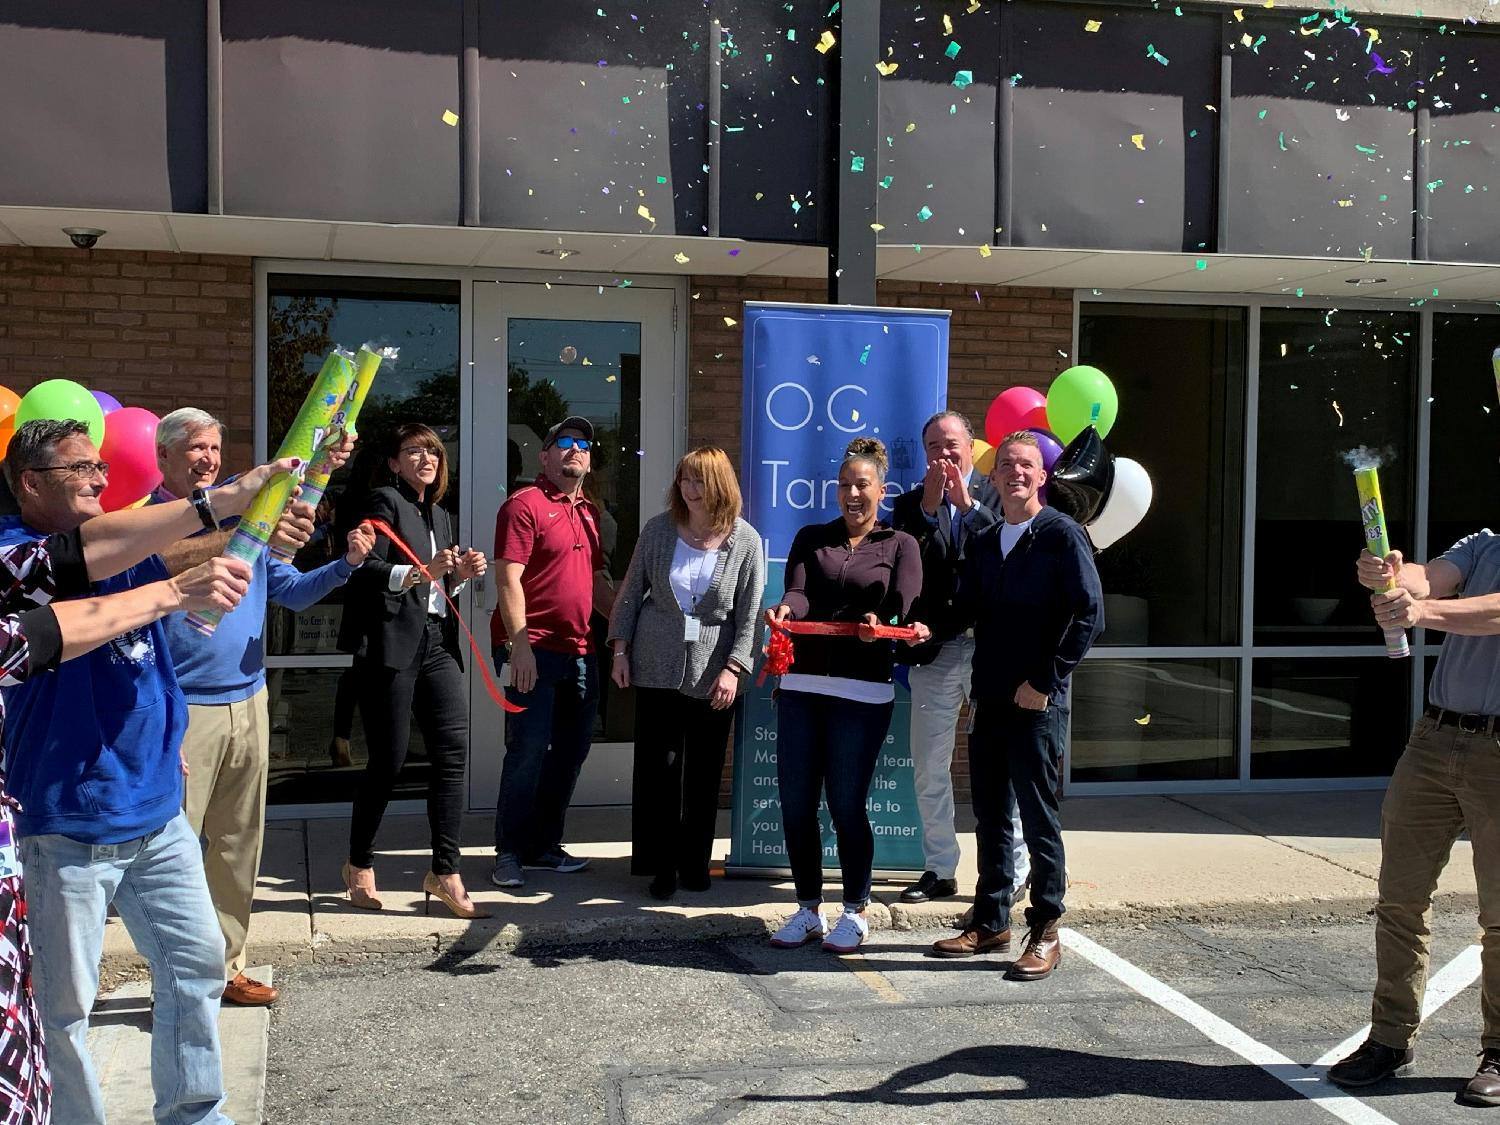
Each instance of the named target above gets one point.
<point>557,860</point>
<point>507,872</point>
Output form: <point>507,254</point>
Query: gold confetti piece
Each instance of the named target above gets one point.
<point>973,6</point>
<point>1245,40</point>
<point>985,251</point>
<point>1283,349</point>
<point>1144,720</point>
<point>680,258</point>
<point>877,227</point>
<point>1269,4</point>
<point>1373,34</point>
<point>610,378</point>
<point>825,43</point>
<point>911,126</point>
<point>1239,14</point>
<point>1346,203</point>
<point>645,212</point>
<point>1092,25</point>
<point>1339,412</point>
<point>449,117</point>
<point>1139,140</point>
<point>760,195</point>
<point>730,322</point>
<point>887,69</point>
<point>947,24</point>
<point>855,414</point>
<point>1211,108</point>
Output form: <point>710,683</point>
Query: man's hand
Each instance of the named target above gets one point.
<point>923,633</point>
<point>218,584</point>
<point>339,454</point>
<point>361,543</point>
<point>956,488</point>
<point>1029,698</point>
<point>1397,610</point>
<point>470,564</point>
<point>182,760</point>
<point>522,667</point>
<point>1374,573</point>
<point>295,527</point>
<point>233,498</point>
<point>934,485</point>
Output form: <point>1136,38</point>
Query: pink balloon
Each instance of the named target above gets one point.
<point>129,446</point>
<point>1018,408</point>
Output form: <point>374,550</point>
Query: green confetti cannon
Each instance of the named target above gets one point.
<point>1378,543</point>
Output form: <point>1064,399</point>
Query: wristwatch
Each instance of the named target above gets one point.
<point>204,508</point>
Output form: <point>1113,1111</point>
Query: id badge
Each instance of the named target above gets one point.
<point>10,860</point>
<point>691,629</point>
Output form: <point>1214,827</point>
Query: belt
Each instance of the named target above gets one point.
<point>1469,724</point>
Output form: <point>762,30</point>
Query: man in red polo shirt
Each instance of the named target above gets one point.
<point>550,578</point>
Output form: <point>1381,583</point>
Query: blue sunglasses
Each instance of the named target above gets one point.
<point>568,441</point>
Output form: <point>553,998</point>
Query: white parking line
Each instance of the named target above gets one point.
<point>1443,986</point>
<point>1310,1084</point>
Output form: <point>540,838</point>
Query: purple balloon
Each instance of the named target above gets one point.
<point>1050,446</point>
<point>107,402</point>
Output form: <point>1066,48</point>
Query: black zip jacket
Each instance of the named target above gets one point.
<point>1034,613</point>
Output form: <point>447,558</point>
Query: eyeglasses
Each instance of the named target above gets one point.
<point>568,441</point>
<point>419,452</point>
<point>76,469</point>
<point>695,482</point>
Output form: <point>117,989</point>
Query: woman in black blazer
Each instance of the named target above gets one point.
<point>408,664</point>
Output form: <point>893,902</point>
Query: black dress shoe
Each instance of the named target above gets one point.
<point>929,886</point>
<point>1484,1087</point>
<point>1370,1063</point>
<point>663,886</point>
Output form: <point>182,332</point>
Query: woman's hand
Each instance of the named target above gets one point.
<point>471,564</point>
<point>726,687</point>
<point>619,669</point>
<point>442,562</point>
<point>777,614</point>
<point>922,634</point>
<point>867,627</point>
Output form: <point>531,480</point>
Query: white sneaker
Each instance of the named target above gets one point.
<point>848,935</point>
<point>801,928</point>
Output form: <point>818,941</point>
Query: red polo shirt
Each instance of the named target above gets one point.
<point>557,540</point>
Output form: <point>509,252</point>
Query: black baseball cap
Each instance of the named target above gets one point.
<point>572,422</point>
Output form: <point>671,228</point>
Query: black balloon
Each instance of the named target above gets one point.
<point>1081,479</point>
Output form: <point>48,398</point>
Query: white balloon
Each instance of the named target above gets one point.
<point>1128,502</point>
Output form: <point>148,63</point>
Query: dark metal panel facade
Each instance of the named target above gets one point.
<point>102,104</point>
<point>335,110</point>
<point>1113,145</point>
<point>1461,191</point>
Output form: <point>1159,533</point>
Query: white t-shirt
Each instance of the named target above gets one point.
<point>692,574</point>
<point>840,687</point>
<point>1010,535</point>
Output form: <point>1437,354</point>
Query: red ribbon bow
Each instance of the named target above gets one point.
<point>496,694</point>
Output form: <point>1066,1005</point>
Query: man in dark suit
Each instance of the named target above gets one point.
<point>951,505</point>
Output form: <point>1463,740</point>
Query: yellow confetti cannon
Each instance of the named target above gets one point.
<point>1495,363</point>
<point>1378,543</point>
<point>317,426</point>
<point>315,480</point>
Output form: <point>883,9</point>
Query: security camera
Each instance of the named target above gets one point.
<point>85,238</point>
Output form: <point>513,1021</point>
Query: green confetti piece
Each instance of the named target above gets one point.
<point>856,164</point>
<point>1192,132</point>
<point>791,35</point>
<point>864,356</point>
<point>953,49</point>
<point>1201,263</point>
<point>1281,140</point>
<point>952,108</point>
<point>661,179</point>
<point>1434,185</point>
<point>625,100</point>
<point>1369,150</point>
<point>924,214</point>
<point>1383,198</point>
<point>1299,293</point>
<point>963,78</point>
<point>796,206</point>
<point>1261,115</point>
<point>886,181</point>
<point>1256,45</point>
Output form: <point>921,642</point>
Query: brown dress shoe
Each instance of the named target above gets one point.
<point>973,940</point>
<point>1484,1087</point>
<point>250,993</point>
<point>1042,953</point>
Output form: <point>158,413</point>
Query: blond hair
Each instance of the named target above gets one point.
<point>721,488</point>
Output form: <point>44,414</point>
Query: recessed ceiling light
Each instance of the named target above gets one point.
<point>1365,281</point>
<point>559,252</point>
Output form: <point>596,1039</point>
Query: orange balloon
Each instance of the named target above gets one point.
<point>7,430</point>
<point>9,400</point>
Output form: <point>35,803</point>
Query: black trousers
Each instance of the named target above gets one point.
<point>431,691</point>
<point>679,757</point>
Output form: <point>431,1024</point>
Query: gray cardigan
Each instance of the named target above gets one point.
<point>647,618</point>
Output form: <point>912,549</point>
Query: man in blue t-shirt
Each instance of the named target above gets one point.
<point>227,745</point>
<point>1447,781</point>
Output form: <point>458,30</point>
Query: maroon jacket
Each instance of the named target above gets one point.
<point>826,581</point>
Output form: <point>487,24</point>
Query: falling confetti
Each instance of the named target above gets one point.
<point>924,214</point>
<point>864,356</point>
<point>1339,412</point>
<point>1139,140</point>
<point>985,251</point>
<point>825,43</point>
<point>730,322</point>
<point>963,79</point>
<point>887,68</point>
<point>1093,25</point>
<point>449,117</point>
<point>680,258</point>
<point>645,212</point>
<point>953,49</point>
<point>1143,721</point>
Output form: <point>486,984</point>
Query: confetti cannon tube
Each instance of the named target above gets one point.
<point>315,480</point>
<point>319,420</point>
<point>1495,363</point>
<point>1372,513</point>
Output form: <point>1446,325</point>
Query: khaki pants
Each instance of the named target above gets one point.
<point>1446,781</point>
<point>226,747</point>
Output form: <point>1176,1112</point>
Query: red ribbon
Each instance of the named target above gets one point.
<point>778,650</point>
<point>479,658</point>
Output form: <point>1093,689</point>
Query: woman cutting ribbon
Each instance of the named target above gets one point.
<point>834,706</point>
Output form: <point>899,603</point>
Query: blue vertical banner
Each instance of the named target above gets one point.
<point>816,377</point>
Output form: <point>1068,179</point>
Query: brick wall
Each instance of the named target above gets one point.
<point>153,329</point>
<point>999,337</point>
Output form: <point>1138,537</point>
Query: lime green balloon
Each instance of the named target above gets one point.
<point>57,399</point>
<point>1072,398</point>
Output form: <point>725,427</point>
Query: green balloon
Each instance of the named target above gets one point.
<point>58,399</point>
<point>1071,400</point>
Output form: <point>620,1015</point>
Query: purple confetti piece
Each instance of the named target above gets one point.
<point>1380,67</point>
<point>735,253</point>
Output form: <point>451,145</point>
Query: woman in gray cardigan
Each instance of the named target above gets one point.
<point>684,630</point>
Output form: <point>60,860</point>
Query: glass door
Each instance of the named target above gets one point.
<point>541,353</point>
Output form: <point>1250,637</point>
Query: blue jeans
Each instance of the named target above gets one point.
<point>824,742</point>
<point>545,746</point>
<point>1016,751</point>
<point>157,884</point>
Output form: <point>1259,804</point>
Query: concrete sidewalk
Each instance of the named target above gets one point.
<point>1147,858</point>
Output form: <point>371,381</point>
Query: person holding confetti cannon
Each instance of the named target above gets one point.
<point>1031,593</point>
<point>850,584</point>
<point>401,626</point>
<point>1377,541</point>
<point>1447,781</point>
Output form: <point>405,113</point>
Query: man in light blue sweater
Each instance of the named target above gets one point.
<point>226,748</point>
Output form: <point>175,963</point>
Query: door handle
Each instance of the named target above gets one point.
<point>482,593</point>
